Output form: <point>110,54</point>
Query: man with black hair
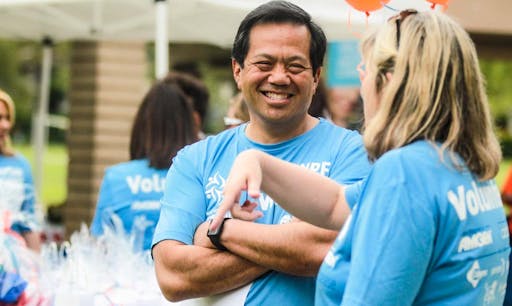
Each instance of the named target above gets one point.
<point>277,59</point>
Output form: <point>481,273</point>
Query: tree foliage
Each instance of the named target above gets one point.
<point>498,75</point>
<point>15,84</point>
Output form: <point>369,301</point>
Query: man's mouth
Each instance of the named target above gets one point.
<point>276,96</point>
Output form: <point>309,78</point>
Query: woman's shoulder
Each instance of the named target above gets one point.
<point>417,153</point>
<point>420,159</point>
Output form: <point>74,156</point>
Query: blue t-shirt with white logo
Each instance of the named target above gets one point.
<point>196,180</point>
<point>422,233</point>
<point>17,192</point>
<point>131,191</point>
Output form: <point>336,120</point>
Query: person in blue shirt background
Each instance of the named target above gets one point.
<point>132,190</point>
<point>429,227</point>
<point>197,91</point>
<point>16,183</point>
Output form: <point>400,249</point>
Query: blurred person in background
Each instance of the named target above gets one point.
<point>132,190</point>
<point>17,194</point>
<point>237,112</point>
<point>197,91</point>
<point>318,107</point>
<point>344,107</point>
<point>340,105</point>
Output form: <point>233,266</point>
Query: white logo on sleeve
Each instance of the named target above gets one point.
<point>215,187</point>
<point>475,274</point>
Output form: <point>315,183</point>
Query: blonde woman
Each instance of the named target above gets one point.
<point>428,227</point>
<point>16,183</point>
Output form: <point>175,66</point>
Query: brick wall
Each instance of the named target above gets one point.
<point>108,81</point>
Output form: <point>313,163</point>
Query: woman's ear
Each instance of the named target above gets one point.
<point>389,75</point>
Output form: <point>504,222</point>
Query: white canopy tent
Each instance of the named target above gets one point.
<point>162,21</point>
<point>208,21</point>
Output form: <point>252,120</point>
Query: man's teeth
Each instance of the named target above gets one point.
<point>276,96</point>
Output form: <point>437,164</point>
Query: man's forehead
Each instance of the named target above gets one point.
<point>259,26</point>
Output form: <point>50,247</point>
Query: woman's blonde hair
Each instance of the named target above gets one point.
<point>6,148</point>
<point>436,92</point>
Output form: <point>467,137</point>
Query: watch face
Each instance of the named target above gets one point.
<point>213,232</point>
<point>215,236</point>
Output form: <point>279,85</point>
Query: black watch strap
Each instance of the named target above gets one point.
<point>215,235</point>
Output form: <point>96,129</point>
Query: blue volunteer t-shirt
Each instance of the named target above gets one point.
<point>132,191</point>
<point>17,192</point>
<point>196,180</point>
<point>422,233</point>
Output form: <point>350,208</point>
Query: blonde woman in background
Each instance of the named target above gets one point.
<point>16,182</point>
<point>237,112</point>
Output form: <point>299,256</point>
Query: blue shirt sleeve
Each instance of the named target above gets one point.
<point>352,164</point>
<point>394,242</point>
<point>183,206</point>
<point>352,193</point>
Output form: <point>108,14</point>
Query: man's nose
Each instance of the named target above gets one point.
<point>279,75</point>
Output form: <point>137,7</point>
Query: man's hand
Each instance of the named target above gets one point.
<point>245,175</point>
<point>246,211</point>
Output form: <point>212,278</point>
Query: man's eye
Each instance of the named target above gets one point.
<point>296,68</point>
<point>264,66</point>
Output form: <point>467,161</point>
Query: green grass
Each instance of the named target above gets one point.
<point>55,164</point>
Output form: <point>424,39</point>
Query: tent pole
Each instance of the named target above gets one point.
<point>161,39</point>
<point>41,118</point>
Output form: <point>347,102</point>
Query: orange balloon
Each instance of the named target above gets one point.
<point>441,2</point>
<point>367,5</point>
<point>444,3</point>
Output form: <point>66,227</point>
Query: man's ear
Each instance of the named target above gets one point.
<point>237,69</point>
<point>198,123</point>
<point>316,77</point>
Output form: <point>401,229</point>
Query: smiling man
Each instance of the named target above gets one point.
<point>277,60</point>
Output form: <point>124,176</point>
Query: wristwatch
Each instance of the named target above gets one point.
<point>215,235</point>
